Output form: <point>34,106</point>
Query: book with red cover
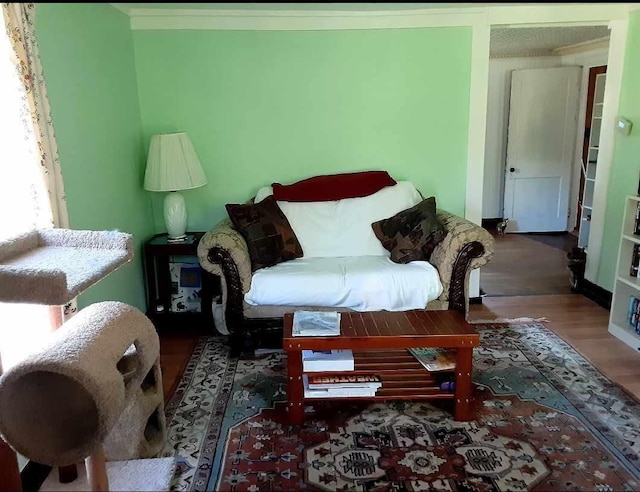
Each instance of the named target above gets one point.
<point>344,381</point>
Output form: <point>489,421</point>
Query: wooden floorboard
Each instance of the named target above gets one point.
<point>527,264</point>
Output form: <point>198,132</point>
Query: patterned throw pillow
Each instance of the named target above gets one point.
<point>411,234</point>
<point>267,232</point>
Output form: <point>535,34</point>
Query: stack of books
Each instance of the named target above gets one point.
<point>341,386</point>
<point>327,360</point>
<point>316,324</point>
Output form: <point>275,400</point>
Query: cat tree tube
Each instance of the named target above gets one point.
<point>94,391</point>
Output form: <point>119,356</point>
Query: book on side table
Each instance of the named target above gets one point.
<point>316,324</point>
<point>337,391</point>
<point>327,360</point>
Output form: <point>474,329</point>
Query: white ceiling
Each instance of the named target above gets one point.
<point>541,41</point>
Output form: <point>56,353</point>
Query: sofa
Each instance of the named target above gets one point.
<point>343,265</point>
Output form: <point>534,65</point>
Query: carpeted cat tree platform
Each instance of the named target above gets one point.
<point>94,392</point>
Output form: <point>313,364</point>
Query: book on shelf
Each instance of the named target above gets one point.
<point>316,324</point>
<point>435,359</point>
<point>344,381</point>
<point>327,360</point>
<point>357,391</point>
<point>633,314</point>
<point>635,260</point>
<point>636,221</point>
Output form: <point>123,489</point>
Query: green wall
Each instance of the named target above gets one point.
<point>88,60</point>
<point>625,170</point>
<point>265,106</point>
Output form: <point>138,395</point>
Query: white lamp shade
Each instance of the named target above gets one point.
<point>173,164</point>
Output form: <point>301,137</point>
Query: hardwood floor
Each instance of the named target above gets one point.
<point>528,264</point>
<point>175,351</point>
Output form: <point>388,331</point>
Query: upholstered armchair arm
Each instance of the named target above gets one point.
<point>465,247</point>
<point>223,252</point>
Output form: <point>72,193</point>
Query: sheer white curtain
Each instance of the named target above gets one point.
<point>31,189</point>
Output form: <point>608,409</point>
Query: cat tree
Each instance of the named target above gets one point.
<point>94,392</point>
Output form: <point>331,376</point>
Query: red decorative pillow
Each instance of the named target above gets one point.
<point>333,187</point>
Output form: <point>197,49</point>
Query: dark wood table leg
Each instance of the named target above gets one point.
<point>295,390</point>
<point>464,359</point>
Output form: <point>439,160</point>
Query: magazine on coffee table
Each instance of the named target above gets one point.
<point>435,359</point>
<point>316,324</point>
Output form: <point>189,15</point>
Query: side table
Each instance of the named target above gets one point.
<point>157,253</point>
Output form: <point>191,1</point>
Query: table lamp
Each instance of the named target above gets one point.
<point>173,165</point>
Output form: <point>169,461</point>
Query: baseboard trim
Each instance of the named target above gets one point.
<point>491,223</point>
<point>597,294</point>
<point>33,476</point>
<point>475,300</point>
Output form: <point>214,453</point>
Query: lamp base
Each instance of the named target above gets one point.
<point>180,239</point>
<point>175,216</point>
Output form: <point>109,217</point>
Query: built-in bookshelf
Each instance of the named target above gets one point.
<point>624,319</point>
<point>589,167</point>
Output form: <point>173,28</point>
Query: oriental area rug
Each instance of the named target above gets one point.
<point>545,419</point>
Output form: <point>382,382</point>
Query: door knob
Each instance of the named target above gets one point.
<point>512,169</point>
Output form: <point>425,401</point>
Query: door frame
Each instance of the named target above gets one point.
<point>520,17</point>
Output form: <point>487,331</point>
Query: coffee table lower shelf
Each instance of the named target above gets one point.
<point>402,376</point>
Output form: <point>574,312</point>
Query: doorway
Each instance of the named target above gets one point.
<point>530,262</point>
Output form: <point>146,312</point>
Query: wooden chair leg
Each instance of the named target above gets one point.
<point>97,471</point>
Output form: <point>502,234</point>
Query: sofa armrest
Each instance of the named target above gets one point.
<point>223,252</point>
<point>465,247</point>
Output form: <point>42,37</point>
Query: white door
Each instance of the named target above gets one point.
<point>541,140</point>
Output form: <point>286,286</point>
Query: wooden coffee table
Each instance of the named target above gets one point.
<point>379,341</point>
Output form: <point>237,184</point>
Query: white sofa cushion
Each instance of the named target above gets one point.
<point>343,227</point>
<point>362,283</point>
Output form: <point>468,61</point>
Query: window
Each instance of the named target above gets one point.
<point>24,205</point>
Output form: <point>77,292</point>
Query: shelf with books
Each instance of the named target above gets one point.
<point>630,212</point>
<point>625,313</point>
<point>401,374</point>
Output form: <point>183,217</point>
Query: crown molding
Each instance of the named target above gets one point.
<point>252,19</point>
<point>122,7</point>
<point>592,44</point>
<point>152,19</point>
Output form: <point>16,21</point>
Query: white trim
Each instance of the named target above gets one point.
<point>592,44</point>
<point>529,15</point>
<point>615,65</point>
<point>478,94</point>
<point>252,19</point>
<point>121,7</point>
<point>152,19</point>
